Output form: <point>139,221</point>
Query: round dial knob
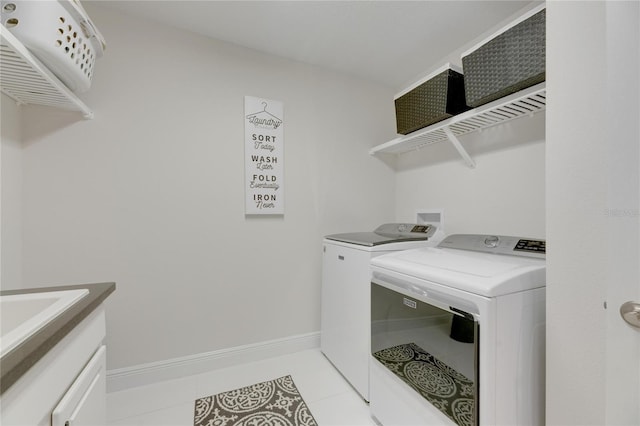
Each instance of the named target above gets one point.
<point>491,241</point>
<point>402,227</point>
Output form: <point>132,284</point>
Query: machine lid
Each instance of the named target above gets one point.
<point>386,234</point>
<point>466,263</point>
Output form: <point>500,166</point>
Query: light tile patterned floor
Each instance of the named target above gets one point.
<point>330,398</point>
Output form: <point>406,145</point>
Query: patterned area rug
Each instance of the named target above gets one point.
<point>445,388</point>
<point>273,403</point>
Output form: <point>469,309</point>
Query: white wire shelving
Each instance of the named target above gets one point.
<point>27,81</point>
<point>524,103</point>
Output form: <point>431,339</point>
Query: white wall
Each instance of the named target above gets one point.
<point>503,195</point>
<point>592,176</point>
<point>623,200</point>
<point>150,193</point>
<point>11,190</point>
<point>576,159</point>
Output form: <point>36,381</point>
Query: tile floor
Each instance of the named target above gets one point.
<point>330,398</point>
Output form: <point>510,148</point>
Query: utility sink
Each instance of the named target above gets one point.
<point>22,315</point>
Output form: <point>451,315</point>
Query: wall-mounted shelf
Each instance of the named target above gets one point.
<point>27,81</point>
<point>524,103</point>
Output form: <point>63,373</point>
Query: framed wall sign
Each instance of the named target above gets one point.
<point>264,156</point>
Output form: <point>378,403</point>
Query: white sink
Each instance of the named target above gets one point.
<point>21,315</point>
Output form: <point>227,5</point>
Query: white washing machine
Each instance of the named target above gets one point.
<point>346,304</point>
<point>458,333</point>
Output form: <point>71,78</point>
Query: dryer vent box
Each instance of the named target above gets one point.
<point>433,217</point>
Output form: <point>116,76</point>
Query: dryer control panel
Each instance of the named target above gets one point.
<point>498,244</point>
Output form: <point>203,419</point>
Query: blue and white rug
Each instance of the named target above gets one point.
<point>274,403</point>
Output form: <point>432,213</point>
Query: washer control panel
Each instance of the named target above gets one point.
<point>498,244</point>
<point>405,229</point>
<point>533,246</point>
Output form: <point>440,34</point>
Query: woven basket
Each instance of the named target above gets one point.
<point>434,100</point>
<point>510,62</point>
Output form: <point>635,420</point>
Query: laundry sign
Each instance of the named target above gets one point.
<point>264,156</point>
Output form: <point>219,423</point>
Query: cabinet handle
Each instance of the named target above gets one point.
<point>340,257</point>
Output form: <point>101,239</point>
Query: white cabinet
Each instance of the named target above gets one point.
<point>84,403</point>
<point>67,384</point>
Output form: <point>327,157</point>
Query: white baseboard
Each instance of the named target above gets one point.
<point>144,374</point>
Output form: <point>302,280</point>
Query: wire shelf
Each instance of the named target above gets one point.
<point>27,81</point>
<point>524,103</point>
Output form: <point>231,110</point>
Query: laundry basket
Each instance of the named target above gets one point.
<point>60,34</point>
<point>440,96</point>
<point>508,63</point>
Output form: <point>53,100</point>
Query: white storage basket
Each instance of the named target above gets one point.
<point>60,34</point>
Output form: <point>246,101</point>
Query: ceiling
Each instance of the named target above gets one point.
<point>390,42</point>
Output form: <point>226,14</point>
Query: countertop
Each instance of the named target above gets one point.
<point>18,361</point>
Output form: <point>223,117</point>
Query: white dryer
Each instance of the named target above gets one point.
<point>458,333</point>
<point>345,300</point>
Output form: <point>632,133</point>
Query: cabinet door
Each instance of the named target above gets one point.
<point>85,401</point>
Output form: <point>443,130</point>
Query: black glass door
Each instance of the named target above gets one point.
<point>433,348</point>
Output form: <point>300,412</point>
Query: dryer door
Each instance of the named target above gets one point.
<point>431,348</point>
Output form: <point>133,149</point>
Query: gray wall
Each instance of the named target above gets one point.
<point>11,199</point>
<point>150,193</point>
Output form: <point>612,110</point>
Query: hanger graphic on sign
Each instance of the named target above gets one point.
<point>264,118</point>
